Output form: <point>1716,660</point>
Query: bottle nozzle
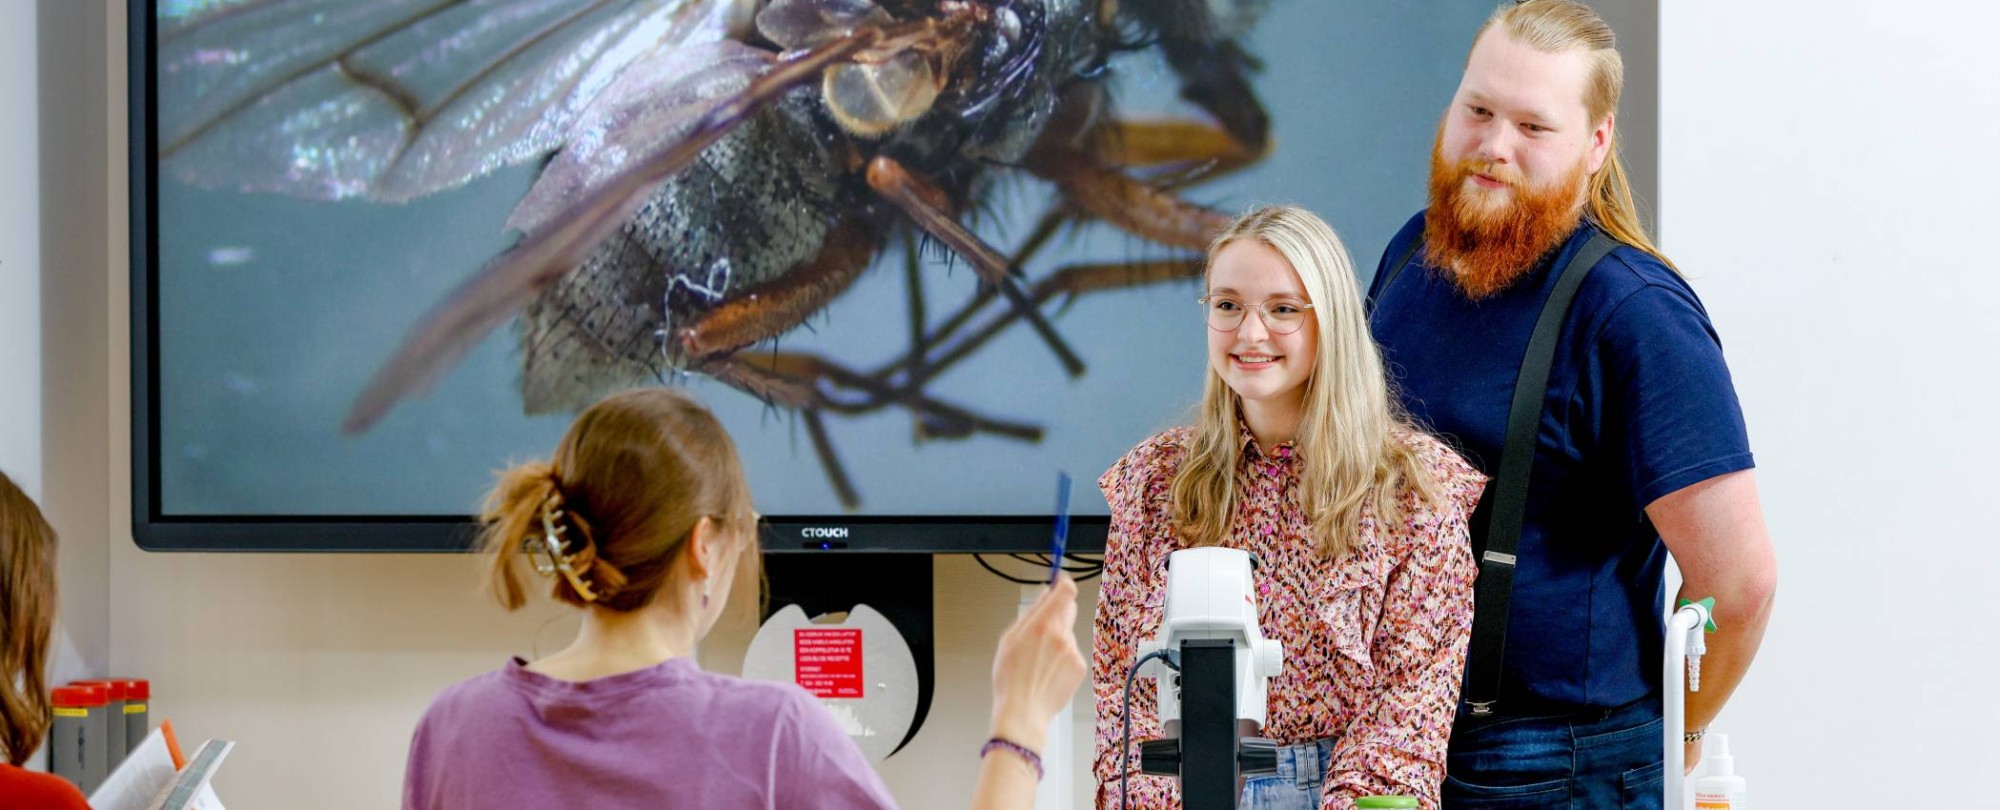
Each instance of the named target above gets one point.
<point>1720,763</point>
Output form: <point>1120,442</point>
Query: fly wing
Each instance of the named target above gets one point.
<point>394,99</point>
<point>652,107</point>
<point>592,186</point>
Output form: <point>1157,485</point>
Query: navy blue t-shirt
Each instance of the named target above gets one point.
<point>1639,405</point>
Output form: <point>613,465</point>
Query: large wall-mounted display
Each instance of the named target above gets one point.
<point>918,256</point>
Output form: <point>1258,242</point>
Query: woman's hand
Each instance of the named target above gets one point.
<point>1037,668</point>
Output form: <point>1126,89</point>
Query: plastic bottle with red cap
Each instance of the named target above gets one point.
<point>115,742</point>
<point>78,749</point>
<point>138,693</point>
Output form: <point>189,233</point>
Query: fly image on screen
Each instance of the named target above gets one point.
<point>908,252</point>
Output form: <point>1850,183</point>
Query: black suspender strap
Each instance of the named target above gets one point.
<point>1510,495</point>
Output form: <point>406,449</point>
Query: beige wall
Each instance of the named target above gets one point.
<point>70,112</point>
<point>318,666</point>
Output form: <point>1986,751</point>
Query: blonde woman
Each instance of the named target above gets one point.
<point>1299,456</point>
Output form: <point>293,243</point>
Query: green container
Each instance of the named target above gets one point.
<point>1366,802</point>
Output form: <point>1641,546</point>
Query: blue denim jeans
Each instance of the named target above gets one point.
<point>1296,785</point>
<point>1607,758</point>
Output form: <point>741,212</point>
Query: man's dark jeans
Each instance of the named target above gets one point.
<point>1598,759</point>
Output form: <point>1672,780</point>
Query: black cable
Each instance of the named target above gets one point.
<point>1173,659</point>
<point>1083,572</point>
<point>1043,561</point>
<point>981,559</point>
<point>1091,570</point>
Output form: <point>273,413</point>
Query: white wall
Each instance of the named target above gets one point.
<point>21,265</point>
<point>1828,175</point>
<point>20,254</point>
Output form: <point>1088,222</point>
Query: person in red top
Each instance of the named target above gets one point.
<point>1360,522</point>
<point>27,612</point>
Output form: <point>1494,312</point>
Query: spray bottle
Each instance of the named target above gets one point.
<point>1719,787</point>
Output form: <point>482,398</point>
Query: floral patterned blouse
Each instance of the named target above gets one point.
<point>1374,642</point>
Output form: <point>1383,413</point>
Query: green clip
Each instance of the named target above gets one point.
<point>1708,603</point>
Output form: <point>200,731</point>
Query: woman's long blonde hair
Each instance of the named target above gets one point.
<point>1350,441</point>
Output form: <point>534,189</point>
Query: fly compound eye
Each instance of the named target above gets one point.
<point>871,100</point>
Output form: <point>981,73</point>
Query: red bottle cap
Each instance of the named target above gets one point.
<point>77,696</point>
<point>113,690</point>
<point>137,689</point>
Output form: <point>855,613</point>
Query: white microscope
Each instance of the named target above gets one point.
<point>1213,708</point>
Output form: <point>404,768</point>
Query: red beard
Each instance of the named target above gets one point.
<point>1488,238</point>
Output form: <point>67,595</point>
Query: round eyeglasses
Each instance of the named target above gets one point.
<point>1282,316</point>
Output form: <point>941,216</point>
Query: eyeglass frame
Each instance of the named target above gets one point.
<point>1263,315</point>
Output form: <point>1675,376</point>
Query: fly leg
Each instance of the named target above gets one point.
<point>812,386</point>
<point>717,344</point>
<point>1066,284</point>
<point>774,308</point>
<point>930,208</point>
<point>1094,182</point>
<point>1190,152</point>
<point>1090,156</point>
<point>913,281</point>
<point>1095,186</point>
<point>1185,153</point>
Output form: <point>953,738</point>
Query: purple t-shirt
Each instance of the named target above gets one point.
<point>667,736</point>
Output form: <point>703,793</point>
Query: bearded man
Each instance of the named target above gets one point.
<point>1628,442</point>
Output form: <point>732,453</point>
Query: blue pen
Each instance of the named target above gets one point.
<point>1062,526</point>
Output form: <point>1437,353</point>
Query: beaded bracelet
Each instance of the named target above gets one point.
<point>1033,759</point>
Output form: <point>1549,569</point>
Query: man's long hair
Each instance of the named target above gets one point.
<point>1555,26</point>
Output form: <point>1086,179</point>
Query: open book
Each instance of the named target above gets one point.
<point>155,776</point>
